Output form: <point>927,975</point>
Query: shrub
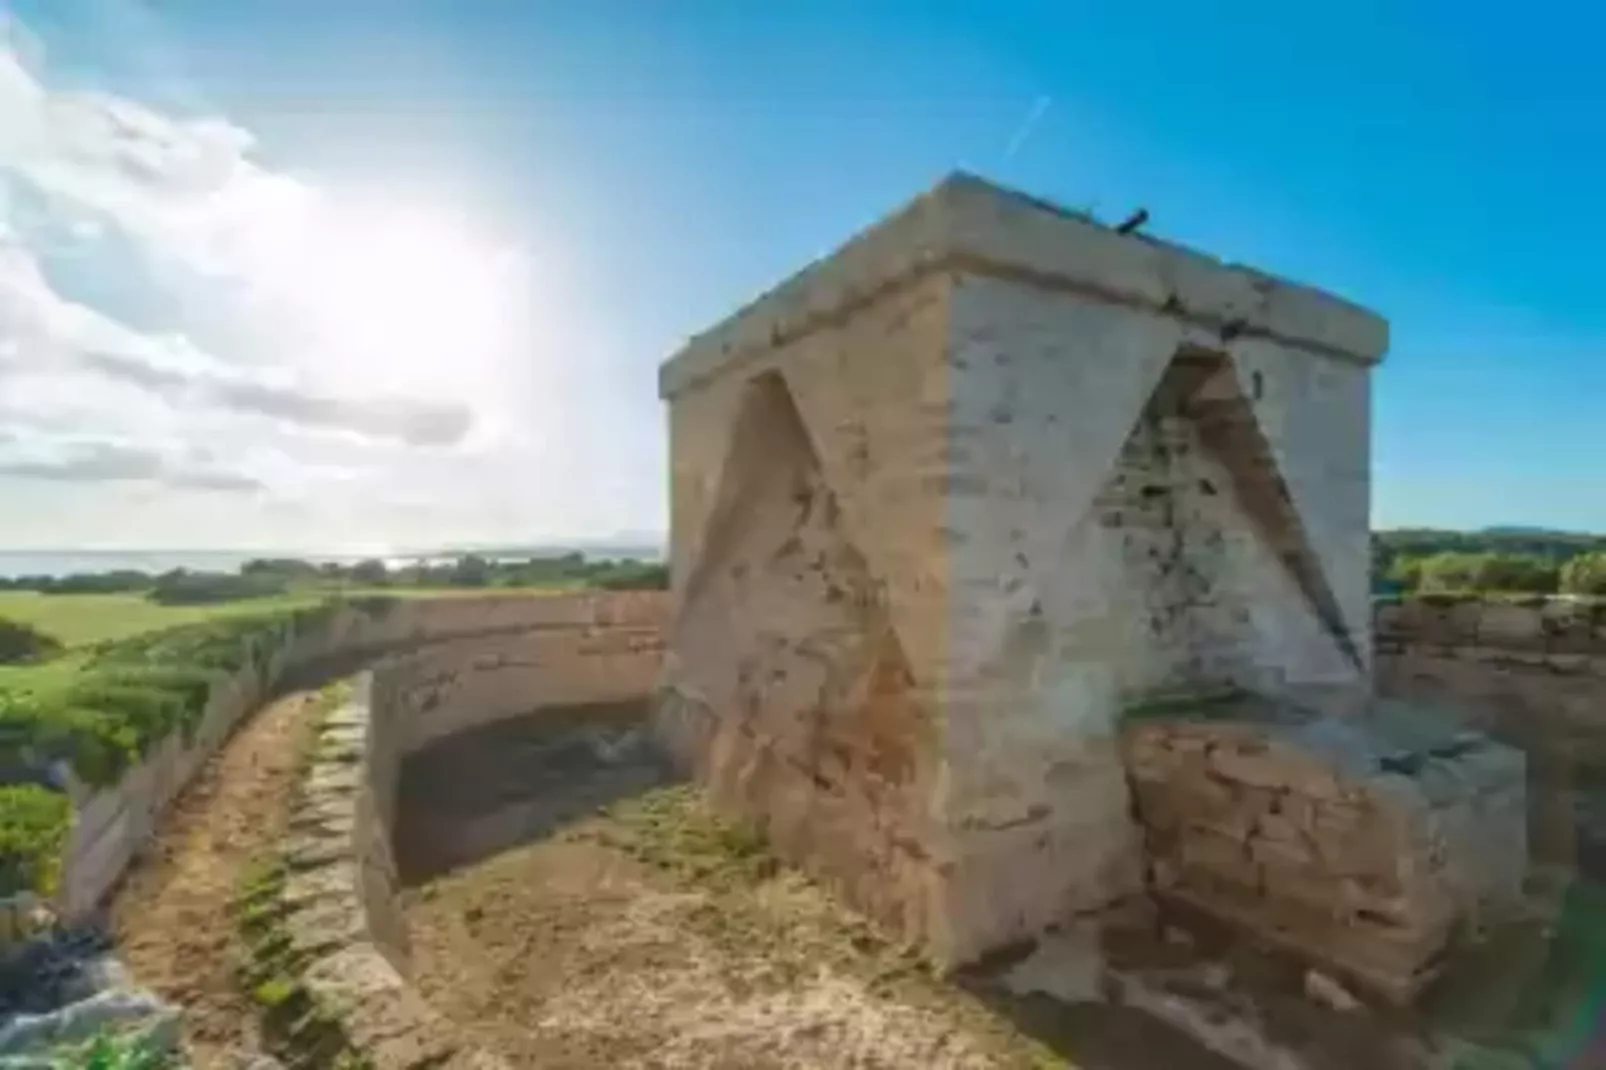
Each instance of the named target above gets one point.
<point>23,642</point>
<point>632,576</point>
<point>471,571</point>
<point>33,829</point>
<point>1452,571</point>
<point>183,588</point>
<point>1585,574</point>
<point>370,573</point>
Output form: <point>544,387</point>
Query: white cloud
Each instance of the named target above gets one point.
<point>370,371</point>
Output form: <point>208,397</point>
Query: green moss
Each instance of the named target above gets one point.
<point>130,1050</point>
<point>34,823</point>
<point>298,1029</point>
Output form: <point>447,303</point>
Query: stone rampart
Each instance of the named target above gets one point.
<point>111,825</point>
<point>341,902</point>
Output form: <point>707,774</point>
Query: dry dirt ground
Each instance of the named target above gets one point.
<point>174,916</point>
<point>654,937</point>
<point>616,923</point>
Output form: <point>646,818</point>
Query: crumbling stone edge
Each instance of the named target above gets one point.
<point>326,943</point>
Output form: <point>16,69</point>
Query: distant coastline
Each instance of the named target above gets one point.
<point>66,562</point>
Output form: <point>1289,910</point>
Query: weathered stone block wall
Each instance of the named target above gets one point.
<point>1501,663</point>
<point>1532,674</point>
<point>341,913</point>
<point>945,504</point>
<point>459,684</point>
<point>1325,838</point>
<point>111,825</point>
<point>807,640</point>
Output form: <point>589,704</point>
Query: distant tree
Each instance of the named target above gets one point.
<point>290,568</point>
<point>1517,572</point>
<point>183,588</point>
<point>115,582</point>
<point>370,573</point>
<point>1405,570</point>
<point>471,570</point>
<point>1453,571</point>
<point>1585,574</point>
<point>631,575</point>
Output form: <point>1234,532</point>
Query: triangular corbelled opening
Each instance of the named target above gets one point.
<point>768,447</point>
<point>1195,447</point>
<point>816,721</point>
<point>777,581</point>
<point>1228,429</point>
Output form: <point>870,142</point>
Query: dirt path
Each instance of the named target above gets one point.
<point>173,918</point>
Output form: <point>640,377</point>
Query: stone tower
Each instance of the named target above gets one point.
<point>948,503</point>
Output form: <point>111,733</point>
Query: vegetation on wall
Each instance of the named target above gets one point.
<point>33,829</point>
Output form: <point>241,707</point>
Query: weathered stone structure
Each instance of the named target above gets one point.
<point>947,503</point>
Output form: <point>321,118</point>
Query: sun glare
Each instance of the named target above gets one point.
<point>393,296</point>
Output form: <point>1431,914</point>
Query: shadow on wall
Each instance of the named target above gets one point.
<point>479,792</point>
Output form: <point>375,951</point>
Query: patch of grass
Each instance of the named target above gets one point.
<point>134,1050</point>
<point>33,830</point>
<point>81,620</point>
<point>672,829</point>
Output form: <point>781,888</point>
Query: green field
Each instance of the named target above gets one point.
<point>80,620</point>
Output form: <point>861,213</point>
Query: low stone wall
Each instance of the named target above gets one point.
<point>457,685</point>
<point>340,902</point>
<point>346,937</point>
<point>1530,673</point>
<point>1350,844</point>
<point>111,825</point>
<point>1515,667</point>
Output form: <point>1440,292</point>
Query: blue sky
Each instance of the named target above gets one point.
<point>650,165</point>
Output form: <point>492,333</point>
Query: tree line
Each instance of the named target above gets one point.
<point>1517,561</point>
<point>265,577</point>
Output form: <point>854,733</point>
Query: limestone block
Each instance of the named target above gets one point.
<point>1357,843</point>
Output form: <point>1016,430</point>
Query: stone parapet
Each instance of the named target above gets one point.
<point>1564,634</point>
<point>344,935</point>
<point>339,903</point>
<point>112,824</point>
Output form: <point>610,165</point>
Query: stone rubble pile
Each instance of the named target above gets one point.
<point>1328,840</point>
<point>62,988</point>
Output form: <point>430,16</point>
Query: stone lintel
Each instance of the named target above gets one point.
<point>968,225</point>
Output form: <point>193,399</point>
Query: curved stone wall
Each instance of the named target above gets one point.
<point>341,899</point>
<point>113,824</point>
